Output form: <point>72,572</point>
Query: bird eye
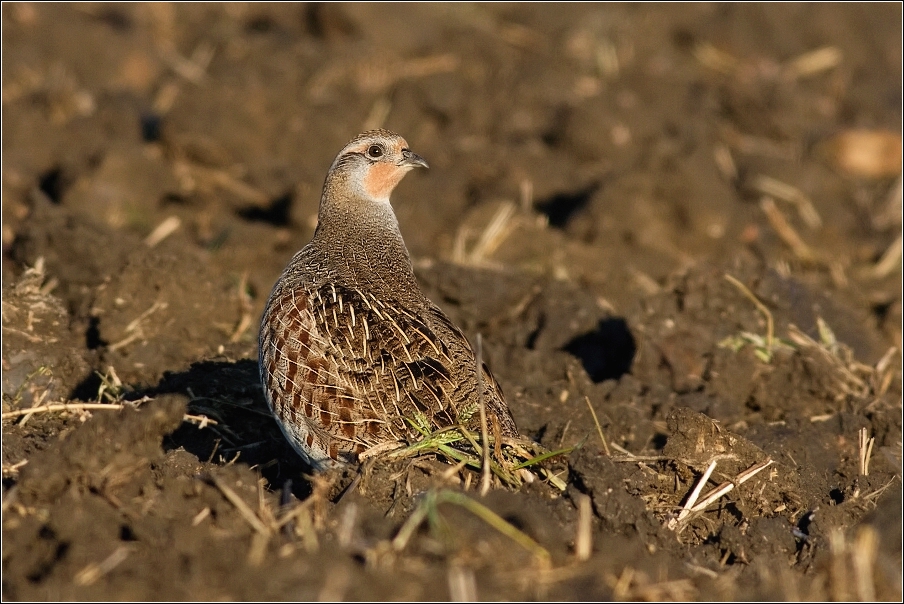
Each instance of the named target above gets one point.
<point>375,151</point>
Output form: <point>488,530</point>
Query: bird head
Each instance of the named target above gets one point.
<point>372,164</point>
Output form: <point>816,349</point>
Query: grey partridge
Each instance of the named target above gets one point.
<point>351,351</point>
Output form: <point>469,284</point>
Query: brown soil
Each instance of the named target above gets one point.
<point>596,171</point>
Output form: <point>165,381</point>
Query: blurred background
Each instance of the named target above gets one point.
<point>598,137</point>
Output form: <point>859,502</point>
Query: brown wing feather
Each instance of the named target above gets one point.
<point>342,370</point>
<point>466,362</point>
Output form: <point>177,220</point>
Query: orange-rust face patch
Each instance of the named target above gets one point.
<point>381,179</point>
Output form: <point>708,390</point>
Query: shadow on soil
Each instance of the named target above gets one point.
<point>607,352</point>
<point>229,393</point>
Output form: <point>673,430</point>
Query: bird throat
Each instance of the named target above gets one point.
<point>363,245</point>
<point>381,179</point>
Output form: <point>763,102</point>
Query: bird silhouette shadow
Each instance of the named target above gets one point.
<point>242,431</point>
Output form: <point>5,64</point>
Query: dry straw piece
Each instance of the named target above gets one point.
<point>693,506</point>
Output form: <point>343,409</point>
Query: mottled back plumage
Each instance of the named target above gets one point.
<point>349,345</point>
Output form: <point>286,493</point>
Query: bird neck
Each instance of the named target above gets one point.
<point>361,241</point>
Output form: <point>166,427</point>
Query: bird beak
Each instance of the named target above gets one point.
<point>412,160</point>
